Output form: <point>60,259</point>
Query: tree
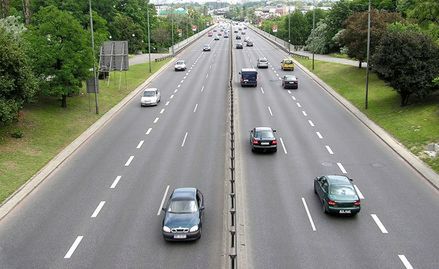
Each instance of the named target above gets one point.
<point>354,37</point>
<point>17,82</point>
<point>409,62</point>
<point>299,28</point>
<point>61,52</point>
<point>317,40</point>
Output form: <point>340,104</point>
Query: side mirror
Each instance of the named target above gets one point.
<point>351,179</point>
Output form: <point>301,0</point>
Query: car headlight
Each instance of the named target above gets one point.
<point>194,228</point>
<point>166,229</point>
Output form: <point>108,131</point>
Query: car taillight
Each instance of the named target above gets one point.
<point>255,142</point>
<point>357,203</point>
<point>330,202</point>
<point>274,142</point>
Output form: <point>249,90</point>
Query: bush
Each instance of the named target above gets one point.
<point>17,133</point>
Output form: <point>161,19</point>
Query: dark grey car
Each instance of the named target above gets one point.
<point>263,139</point>
<point>290,81</point>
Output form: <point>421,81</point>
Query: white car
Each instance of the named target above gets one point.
<point>150,97</point>
<point>180,65</point>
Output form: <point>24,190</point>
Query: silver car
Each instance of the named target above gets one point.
<point>180,65</point>
<point>150,97</point>
<point>262,63</point>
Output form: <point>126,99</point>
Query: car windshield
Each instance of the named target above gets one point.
<point>148,93</point>
<point>289,77</point>
<point>264,134</point>
<point>182,206</point>
<point>249,76</point>
<point>288,62</point>
<point>262,60</point>
<point>344,190</point>
<point>180,62</point>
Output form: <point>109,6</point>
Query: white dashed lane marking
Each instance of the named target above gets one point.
<point>269,110</point>
<point>195,108</point>
<point>149,130</point>
<point>341,168</point>
<point>309,214</point>
<point>202,88</point>
<point>156,120</point>
<point>311,123</point>
<point>283,145</point>
<point>379,223</point>
<point>405,262</point>
<point>73,247</point>
<point>329,150</point>
<point>304,113</point>
<point>161,111</point>
<point>294,98</point>
<point>176,90</point>
<point>98,209</point>
<point>184,140</point>
<point>172,96</point>
<point>360,195</point>
<point>319,135</point>
<point>115,182</point>
<point>130,159</point>
<point>298,104</point>
<point>167,103</point>
<point>140,144</point>
<point>262,90</point>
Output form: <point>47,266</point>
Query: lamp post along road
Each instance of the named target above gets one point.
<point>172,28</point>
<point>368,54</point>
<point>289,28</point>
<point>149,36</point>
<point>313,27</point>
<point>93,54</point>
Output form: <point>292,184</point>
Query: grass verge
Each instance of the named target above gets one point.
<point>415,125</point>
<point>47,128</point>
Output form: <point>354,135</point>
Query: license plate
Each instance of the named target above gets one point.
<point>292,82</point>
<point>245,80</point>
<point>345,212</point>
<point>265,143</point>
<point>179,236</point>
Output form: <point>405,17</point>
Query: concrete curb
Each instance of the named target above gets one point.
<point>53,164</point>
<point>417,164</point>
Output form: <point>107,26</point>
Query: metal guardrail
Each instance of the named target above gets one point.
<point>163,58</point>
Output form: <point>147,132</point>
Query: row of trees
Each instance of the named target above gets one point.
<point>404,39</point>
<point>45,45</point>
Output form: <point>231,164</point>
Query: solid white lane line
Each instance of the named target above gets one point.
<point>298,104</point>
<point>269,110</point>
<point>140,144</point>
<point>359,192</point>
<point>161,111</point>
<point>289,91</point>
<point>184,140</point>
<point>115,182</point>
<point>202,88</point>
<point>156,120</point>
<point>195,108</point>
<point>311,123</point>
<point>329,150</point>
<point>379,223</point>
<point>149,130</point>
<point>319,135</point>
<point>294,98</point>
<point>73,247</point>
<point>405,262</point>
<point>341,168</point>
<point>309,214</point>
<point>163,200</point>
<point>129,161</point>
<point>262,90</point>
<point>304,113</point>
<point>283,145</point>
<point>167,103</point>
<point>98,209</point>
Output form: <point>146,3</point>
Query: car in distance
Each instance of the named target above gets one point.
<point>262,138</point>
<point>249,77</point>
<point>206,47</point>
<point>287,64</point>
<point>150,97</point>
<point>180,65</point>
<point>209,34</point>
<point>216,37</point>
<point>242,33</point>
<point>290,81</point>
<point>239,46</point>
<point>337,194</point>
<point>262,63</point>
<point>238,37</point>
<point>226,35</point>
<point>183,216</point>
<point>249,43</point>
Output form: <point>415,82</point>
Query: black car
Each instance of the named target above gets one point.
<point>337,194</point>
<point>183,215</point>
<point>238,37</point>
<point>290,81</point>
<point>239,46</point>
<point>262,138</point>
<point>249,43</point>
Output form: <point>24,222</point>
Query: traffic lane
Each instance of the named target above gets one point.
<point>192,163</point>
<point>367,172</point>
<point>86,191</point>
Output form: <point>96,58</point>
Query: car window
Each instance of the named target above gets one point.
<point>342,190</point>
<point>288,61</point>
<point>148,93</point>
<point>182,206</point>
<point>180,62</point>
<point>249,76</point>
<point>264,134</point>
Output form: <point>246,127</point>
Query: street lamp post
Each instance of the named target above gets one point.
<point>289,28</point>
<point>313,27</point>
<point>368,54</point>
<point>172,28</point>
<point>93,55</point>
<point>149,36</point>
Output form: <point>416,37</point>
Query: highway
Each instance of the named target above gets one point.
<point>102,207</point>
<point>398,224</point>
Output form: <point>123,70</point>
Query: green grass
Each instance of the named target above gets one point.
<point>47,128</point>
<point>340,55</point>
<point>415,125</point>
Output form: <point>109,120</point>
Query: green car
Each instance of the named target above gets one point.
<point>337,194</point>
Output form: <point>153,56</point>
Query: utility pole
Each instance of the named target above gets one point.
<point>289,28</point>
<point>94,60</point>
<point>313,27</point>
<point>149,36</point>
<point>367,67</point>
<point>172,28</point>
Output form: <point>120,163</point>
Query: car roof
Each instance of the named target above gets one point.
<point>263,129</point>
<point>290,76</point>
<point>150,89</point>
<point>248,70</point>
<point>262,59</point>
<point>338,180</point>
<point>184,193</point>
